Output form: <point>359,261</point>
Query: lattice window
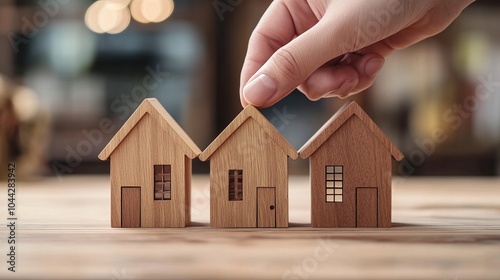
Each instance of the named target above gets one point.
<point>235,185</point>
<point>334,181</point>
<point>163,179</point>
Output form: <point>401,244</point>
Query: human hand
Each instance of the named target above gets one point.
<point>328,48</point>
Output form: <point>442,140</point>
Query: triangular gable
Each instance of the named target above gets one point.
<point>249,112</point>
<point>152,107</point>
<point>337,120</point>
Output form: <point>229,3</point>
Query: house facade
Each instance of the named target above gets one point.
<point>350,171</point>
<point>249,174</point>
<point>150,170</point>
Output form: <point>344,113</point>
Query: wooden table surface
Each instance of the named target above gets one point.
<point>447,228</point>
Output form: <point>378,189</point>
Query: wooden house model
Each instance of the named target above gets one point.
<point>350,171</point>
<point>249,173</point>
<point>150,170</point>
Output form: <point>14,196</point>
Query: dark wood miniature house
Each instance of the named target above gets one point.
<point>150,170</point>
<point>350,171</point>
<point>249,173</point>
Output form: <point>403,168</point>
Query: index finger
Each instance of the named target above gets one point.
<point>282,21</point>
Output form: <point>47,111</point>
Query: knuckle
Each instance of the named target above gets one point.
<point>287,64</point>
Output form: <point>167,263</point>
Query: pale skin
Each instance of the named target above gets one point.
<point>303,44</point>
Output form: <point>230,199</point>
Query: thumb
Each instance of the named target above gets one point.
<point>290,66</point>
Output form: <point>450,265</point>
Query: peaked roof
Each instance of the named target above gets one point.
<point>152,107</point>
<point>253,113</point>
<point>337,120</point>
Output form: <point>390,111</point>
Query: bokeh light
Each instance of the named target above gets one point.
<point>122,23</point>
<point>119,4</point>
<point>113,16</point>
<point>136,10</point>
<point>92,17</point>
<point>146,11</point>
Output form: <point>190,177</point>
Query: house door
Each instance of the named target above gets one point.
<point>266,207</point>
<point>131,207</point>
<point>366,207</point>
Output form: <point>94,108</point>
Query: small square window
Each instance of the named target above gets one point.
<point>334,183</point>
<point>235,186</point>
<point>166,195</point>
<point>158,169</point>
<point>167,169</point>
<point>162,182</point>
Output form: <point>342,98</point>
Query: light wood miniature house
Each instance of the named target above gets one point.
<point>350,171</point>
<point>150,170</point>
<point>249,173</point>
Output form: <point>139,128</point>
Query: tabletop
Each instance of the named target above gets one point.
<point>443,228</point>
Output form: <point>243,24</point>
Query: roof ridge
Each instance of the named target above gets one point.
<point>337,120</point>
<point>152,107</point>
<point>269,129</point>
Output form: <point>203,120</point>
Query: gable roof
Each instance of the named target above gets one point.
<point>152,107</point>
<point>253,113</point>
<point>337,120</point>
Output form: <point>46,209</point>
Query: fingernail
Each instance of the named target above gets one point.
<point>373,66</point>
<point>260,90</point>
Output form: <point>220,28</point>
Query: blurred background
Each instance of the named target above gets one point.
<point>67,67</point>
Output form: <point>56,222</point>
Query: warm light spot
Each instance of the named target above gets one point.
<point>123,22</point>
<point>25,103</point>
<point>118,4</point>
<point>92,17</point>
<point>146,11</point>
<point>109,16</point>
<point>113,16</point>
<point>136,10</point>
<point>151,9</point>
<point>166,7</point>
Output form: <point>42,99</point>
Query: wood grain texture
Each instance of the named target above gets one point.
<point>250,149</point>
<point>350,139</point>
<point>441,230</point>
<point>366,207</point>
<point>151,137</point>
<point>266,207</point>
<point>266,126</point>
<point>165,122</point>
<point>337,120</point>
<point>252,144</point>
<point>131,207</point>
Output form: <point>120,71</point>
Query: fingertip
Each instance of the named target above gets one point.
<point>373,66</point>
<point>243,102</point>
<point>261,91</point>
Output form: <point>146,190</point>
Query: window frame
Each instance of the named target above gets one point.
<point>334,183</point>
<point>235,185</point>
<point>162,182</point>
